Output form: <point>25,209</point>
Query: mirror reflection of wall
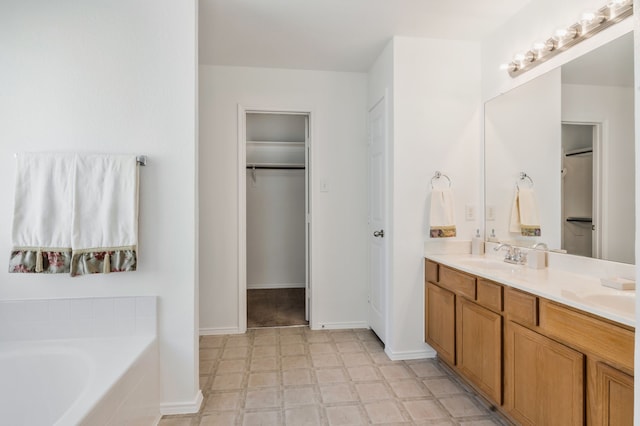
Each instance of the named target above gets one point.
<point>522,134</point>
<point>572,131</point>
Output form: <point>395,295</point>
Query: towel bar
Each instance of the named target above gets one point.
<point>524,177</point>
<point>141,159</point>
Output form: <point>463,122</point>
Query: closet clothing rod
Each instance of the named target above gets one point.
<point>275,167</point>
<point>579,152</point>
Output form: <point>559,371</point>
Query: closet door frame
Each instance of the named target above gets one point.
<point>243,110</point>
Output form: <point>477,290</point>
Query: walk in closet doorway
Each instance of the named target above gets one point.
<point>276,211</point>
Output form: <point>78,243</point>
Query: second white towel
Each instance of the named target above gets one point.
<point>105,214</point>
<point>524,214</point>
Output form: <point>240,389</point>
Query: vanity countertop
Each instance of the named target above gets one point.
<point>582,292</point>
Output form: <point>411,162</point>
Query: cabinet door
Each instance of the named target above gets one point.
<point>439,320</point>
<point>544,380</point>
<point>614,396</point>
<point>479,344</point>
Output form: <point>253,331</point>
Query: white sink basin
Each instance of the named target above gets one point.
<point>622,302</point>
<point>492,264</point>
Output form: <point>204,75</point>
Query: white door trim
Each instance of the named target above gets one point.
<point>242,203</point>
<point>384,334</point>
<point>600,197</point>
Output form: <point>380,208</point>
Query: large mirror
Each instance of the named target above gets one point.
<point>560,161</point>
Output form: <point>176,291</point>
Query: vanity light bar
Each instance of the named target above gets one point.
<point>588,25</point>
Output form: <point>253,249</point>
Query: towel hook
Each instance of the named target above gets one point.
<point>439,175</point>
<point>524,177</point>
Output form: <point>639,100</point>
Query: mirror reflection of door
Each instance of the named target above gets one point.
<point>581,201</point>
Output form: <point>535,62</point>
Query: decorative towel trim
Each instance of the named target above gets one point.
<point>47,260</point>
<point>103,260</point>
<point>530,231</point>
<point>443,231</point>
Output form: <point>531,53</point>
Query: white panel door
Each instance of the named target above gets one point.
<point>378,240</point>
<point>307,200</point>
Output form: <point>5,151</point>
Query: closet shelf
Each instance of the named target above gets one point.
<point>277,143</point>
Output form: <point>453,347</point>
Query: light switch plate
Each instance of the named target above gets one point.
<point>470,212</point>
<point>491,212</point>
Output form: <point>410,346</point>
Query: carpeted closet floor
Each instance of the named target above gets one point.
<point>275,307</point>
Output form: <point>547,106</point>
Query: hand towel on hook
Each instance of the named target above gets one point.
<point>524,214</point>
<point>442,218</point>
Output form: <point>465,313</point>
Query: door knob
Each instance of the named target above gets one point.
<point>379,233</point>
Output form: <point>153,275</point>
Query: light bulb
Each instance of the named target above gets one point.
<point>588,17</point>
<point>539,46</point>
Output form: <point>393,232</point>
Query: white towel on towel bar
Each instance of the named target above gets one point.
<point>41,233</point>
<point>105,214</point>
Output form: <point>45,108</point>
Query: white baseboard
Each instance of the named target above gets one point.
<point>407,355</point>
<point>340,325</point>
<point>267,286</point>
<point>187,407</point>
<point>220,330</point>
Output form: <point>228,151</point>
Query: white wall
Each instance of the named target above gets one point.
<point>613,107</point>
<point>337,102</point>
<point>636,64</point>
<point>112,77</point>
<point>275,228</point>
<point>436,126</point>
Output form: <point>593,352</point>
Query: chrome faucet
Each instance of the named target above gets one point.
<point>541,244</point>
<point>514,255</point>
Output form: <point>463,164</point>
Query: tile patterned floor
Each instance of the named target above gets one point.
<point>295,376</point>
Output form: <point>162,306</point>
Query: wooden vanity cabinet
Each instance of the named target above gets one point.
<point>614,397</point>
<point>539,361</point>
<point>440,321</point>
<point>544,380</point>
<point>461,326</point>
<point>479,347</point>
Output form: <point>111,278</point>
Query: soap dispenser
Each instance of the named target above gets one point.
<point>477,244</point>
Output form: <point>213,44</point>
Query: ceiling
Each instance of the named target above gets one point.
<point>336,35</point>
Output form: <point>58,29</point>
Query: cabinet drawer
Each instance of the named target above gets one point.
<point>521,307</point>
<point>431,271</point>
<point>489,295</point>
<point>458,282</point>
<point>589,334</point>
